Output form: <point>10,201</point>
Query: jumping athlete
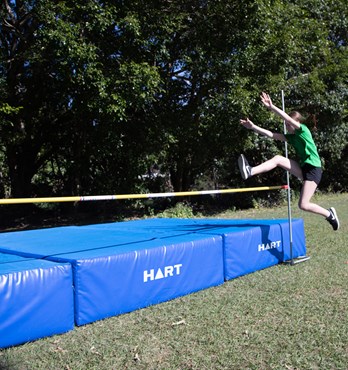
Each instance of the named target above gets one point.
<point>309,167</point>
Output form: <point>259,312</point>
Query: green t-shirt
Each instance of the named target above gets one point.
<point>304,146</point>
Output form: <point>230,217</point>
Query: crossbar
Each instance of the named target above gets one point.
<point>135,196</point>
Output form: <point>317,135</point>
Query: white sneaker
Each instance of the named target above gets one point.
<point>244,167</point>
<point>333,219</point>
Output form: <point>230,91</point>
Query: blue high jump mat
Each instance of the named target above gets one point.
<point>123,266</point>
<point>249,245</point>
<point>36,299</point>
<point>118,270</point>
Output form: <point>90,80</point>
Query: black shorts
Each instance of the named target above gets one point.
<point>311,173</point>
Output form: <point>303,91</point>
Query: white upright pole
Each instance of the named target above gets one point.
<point>299,259</point>
<point>289,190</point>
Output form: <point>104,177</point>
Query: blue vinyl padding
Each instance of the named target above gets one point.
<point>50,242</point>
<point>109,265</point>
<point>122,266</point>
<point>249,244</point>
<point>145,274</point>
<point>253,246</point>
<point>36,299</point>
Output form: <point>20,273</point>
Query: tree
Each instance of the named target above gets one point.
<point>68,81</point>
<point>93,93</point>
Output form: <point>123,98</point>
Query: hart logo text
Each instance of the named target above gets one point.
<point>270,245</point>
<point>166,272</point>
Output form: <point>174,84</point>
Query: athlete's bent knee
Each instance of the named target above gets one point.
<point>304,206</point>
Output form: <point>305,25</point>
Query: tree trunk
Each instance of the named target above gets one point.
<point>21,166</point>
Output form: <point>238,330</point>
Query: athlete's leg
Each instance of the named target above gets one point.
<point>305,203</point>
<point>278,161</point>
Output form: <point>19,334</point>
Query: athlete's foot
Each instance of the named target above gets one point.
<point>244,167</point>
<point>333,219</point>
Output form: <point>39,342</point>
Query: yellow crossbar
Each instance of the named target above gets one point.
<point>135,196</point>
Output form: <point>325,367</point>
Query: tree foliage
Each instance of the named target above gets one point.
<point>95,93</point>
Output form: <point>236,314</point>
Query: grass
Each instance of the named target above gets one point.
<point>283,317</point>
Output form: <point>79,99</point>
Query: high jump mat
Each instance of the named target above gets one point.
<point>36,299</point>
<point>123,266</point>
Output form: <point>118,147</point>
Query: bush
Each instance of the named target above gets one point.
<point>180,210</point>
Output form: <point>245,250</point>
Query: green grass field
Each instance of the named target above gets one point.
<point>283,317</point>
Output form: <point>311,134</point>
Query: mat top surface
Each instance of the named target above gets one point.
<point>76,243</point>
<point>10,263</point>
<point>120,237</point>
<point>183,224</point>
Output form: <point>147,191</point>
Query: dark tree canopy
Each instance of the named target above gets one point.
<point>94,94</point>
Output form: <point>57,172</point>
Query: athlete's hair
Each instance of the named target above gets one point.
<point>297,116</point>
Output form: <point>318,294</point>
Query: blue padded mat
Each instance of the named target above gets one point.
<point>122,266</point>
<point>49,242</point>
<point>36,299</point>
<point>249,244</point>
<point>253,246</point>
<point>124,280</point>
<point>117,271</point>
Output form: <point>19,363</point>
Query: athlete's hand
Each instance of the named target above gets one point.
<point>266,100</point>
<point>247,123</point>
